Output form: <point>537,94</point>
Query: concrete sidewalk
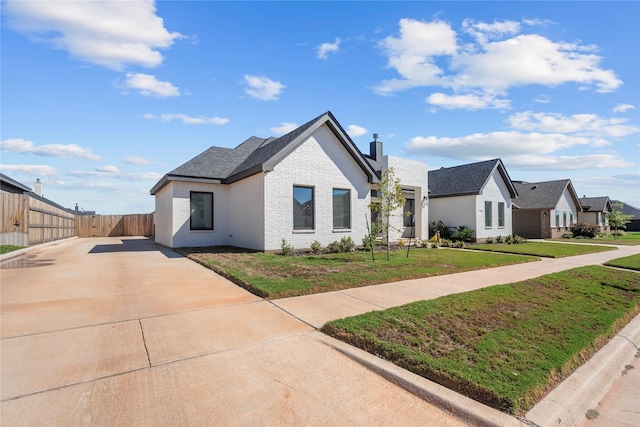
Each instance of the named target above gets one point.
<point>90,337</point>
<point>109,331</point>
<point>596,385</point>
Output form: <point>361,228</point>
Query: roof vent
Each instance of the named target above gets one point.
<point>534,187</point>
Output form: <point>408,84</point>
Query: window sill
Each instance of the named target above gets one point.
<point>202,231</point>
<point>304,231</point>
<point>341,230</point>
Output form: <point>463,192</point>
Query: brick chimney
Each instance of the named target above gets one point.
<point>37,187</point>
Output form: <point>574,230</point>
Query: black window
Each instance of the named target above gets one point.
<point>303,209</point>
<point>201,217</point>
<point>341,208</point>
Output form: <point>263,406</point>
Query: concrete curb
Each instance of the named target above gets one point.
<point>466,409</point>
<point>28,249</point>
<point>567,404</point>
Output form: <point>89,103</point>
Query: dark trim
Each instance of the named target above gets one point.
<point>313,212</point>
<point>191,193</point>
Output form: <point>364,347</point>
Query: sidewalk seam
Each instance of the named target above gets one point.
<point>144,342</point>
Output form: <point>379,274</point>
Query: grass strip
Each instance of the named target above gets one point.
<point>9,248</point>
<point>543,249</point>
<point>507,345</point>
<point>277,276</point>
<point>631,238</point>
<point>631,262</point>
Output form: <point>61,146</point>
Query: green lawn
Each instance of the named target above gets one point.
<point>9,248</point>
<point>630,238</point>
<point>631,262</point>
<point>543,249</point>
<point>277,276</point>
<point>506,345</point>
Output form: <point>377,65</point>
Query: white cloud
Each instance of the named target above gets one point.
<point>585,162</point>
<point>284,128</point>
<point>531,59</point>
<point>188,120</point>
<point>325,48</point>
<point>108,172</point>
<point>108,169</point>
<point>483,146</point>
<point>137,161</point>
<point>263,88</point>
<point>35,170</point>
<point>413,53</point>
<point>113,34</point>
<point>355,130</point>
<point>498,58</point>
<point>590,125</point>
<point>542,99</point>
<point>483,32</point>
<point>19,145</point>
<point>623,108</point>
<point>468,102</point>
<point>148,85</point>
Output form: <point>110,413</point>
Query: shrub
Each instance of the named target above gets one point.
<point>440,228</point>
<point>584,229</point>
<point>518,240</point>
<point>424,244</point>
<point>567,235</point>
<point>367,242</point>
<point>488,240</point>
<point>345,244</point>
<point>618,233</point>
<point>402,243</point>
<point>498,239</point>
<point>286,247</point>
<point>446,243</point>
<point>316,246</point>
<point>457,244</point>
<point>464,234</point>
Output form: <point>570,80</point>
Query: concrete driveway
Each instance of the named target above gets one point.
<point>109,331</point>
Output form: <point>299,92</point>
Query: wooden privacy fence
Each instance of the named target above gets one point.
<point>27,220</point>
<point>115,225</point>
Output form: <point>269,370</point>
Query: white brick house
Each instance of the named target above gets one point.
<point>310,184</point>
<point>477,196</point>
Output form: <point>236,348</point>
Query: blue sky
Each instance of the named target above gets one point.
<point>100,99</point>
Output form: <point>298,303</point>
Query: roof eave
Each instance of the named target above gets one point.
<point>246,173</point>
<point>180,178</point>
<point>439,196</point>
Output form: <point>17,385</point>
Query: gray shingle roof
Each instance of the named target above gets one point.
<point>595,204</point>
<point>218,162</point>
<point>628,209</point>
<point>466,179</point>
<point>254,155</point>
<point>542,195</point>
<point>12,184</point>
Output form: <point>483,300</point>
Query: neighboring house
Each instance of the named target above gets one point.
<point>634,223</point>
<point>478,196</point>
<point>29,218</point>
<point>545,209</point>
<point>595,211</point>
<point>310,184</point>
<point>10,185</point>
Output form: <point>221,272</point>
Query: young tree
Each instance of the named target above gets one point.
<point>617,219</point>
<point>391,198</point>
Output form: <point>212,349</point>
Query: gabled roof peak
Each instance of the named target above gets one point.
<point>255,155</point>
<point>467,179</point>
